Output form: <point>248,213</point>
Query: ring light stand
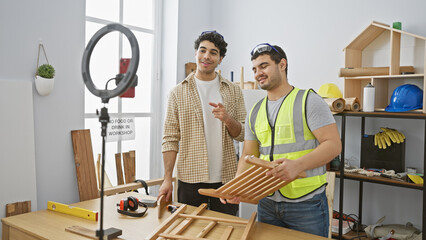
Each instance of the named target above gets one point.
<point>106,94</point>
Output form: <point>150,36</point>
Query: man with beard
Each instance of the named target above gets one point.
<point>295,129</point>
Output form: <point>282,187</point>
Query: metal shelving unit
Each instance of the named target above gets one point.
<point>377,180</point>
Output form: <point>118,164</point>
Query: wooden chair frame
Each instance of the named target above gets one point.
<point>252,185</point>
<point>161,230</point>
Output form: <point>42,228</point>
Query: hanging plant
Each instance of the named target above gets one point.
<point>44,77</point>
<point>46,71</point>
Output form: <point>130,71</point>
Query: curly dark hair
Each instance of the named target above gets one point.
<point>275,56</point>
<point>215,38</point>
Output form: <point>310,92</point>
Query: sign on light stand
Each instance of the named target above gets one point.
<point>121,128</point>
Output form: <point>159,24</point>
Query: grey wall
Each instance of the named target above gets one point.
<point>60,25</point>
<point>313,34</point>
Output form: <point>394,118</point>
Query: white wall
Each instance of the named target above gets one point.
<point>313,34</point>
<point>60,25</point>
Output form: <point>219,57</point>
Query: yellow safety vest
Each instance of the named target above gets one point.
<point>290,138</point>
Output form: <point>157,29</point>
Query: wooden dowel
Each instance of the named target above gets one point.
<point>207,229</point>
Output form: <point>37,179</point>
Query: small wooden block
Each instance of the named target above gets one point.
<point>109,233</point>
<point>13,209</point>
<point>162,206</point>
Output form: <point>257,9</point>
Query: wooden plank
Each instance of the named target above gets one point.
<point>119,169</point>
<point>249,226</point>
<point>84,164</point>
<point>17,208</point>
<point>129,166</point>
<point>227,233</point>
<point>395,53</point>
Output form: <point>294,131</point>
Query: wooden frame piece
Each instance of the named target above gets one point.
<point>160,231</point>
<point>252,185</point>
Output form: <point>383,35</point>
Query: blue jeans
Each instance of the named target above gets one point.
<point>310,216</point>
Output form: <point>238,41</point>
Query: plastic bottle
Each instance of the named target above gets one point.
<point>368,100</point>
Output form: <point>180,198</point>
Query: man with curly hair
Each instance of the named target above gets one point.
<point>205,113</point>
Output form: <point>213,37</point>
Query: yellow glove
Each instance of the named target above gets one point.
<point>381,140</point>
<point>394,135</point>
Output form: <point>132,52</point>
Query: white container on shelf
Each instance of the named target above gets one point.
<point>368,100</point>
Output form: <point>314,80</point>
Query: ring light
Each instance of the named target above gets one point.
<point>124,84</point>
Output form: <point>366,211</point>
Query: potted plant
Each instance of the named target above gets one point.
<point>44,79</point>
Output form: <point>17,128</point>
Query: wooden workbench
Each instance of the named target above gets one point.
<point>46,224</point>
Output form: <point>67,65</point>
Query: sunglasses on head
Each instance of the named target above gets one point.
<point>205,32</point>
<point>264,47</point>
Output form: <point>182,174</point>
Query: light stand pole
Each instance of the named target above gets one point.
<point>105,95</point>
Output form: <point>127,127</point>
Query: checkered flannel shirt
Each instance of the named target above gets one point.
<point>184,130</point>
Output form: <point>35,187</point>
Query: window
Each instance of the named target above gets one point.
<point>139,16</point>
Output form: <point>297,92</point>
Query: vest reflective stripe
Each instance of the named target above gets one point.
<point>292,139</point>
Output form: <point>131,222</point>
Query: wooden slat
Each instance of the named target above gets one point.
<point>185,223</point>
<point>226,220</point>
<point>16,208</point>
<point>171,236</point>
<point>119,169</point>
<point>84,164</point>
<point>249,226</point>
<point>227,233</point>
<point>129,166</point>
<point>252,184</point>
<point>165,224</point>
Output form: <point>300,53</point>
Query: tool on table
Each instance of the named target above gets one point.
<point>172,208</point>
<point>129,207</point>
<point>71,210</point>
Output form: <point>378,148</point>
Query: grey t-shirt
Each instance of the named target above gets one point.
<point>318,115</point>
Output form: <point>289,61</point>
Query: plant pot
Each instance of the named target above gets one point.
<point>44,85</point>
